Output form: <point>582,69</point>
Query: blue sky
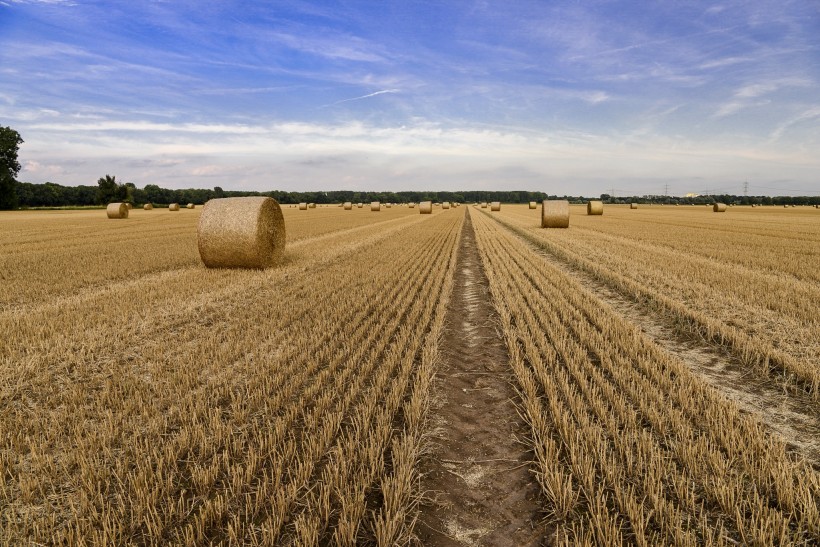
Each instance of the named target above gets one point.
<point>571,97</point>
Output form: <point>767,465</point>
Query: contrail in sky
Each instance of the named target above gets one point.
<point>383,91</point>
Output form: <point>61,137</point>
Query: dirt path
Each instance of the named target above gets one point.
<point>478,477</point>
<point>789,412</point>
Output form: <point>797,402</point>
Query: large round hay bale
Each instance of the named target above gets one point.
<point>483,204</point>
<point>388,205</point>
<point>719,207</point>
<point>360,205</point>
<point>348,206</point>
<point>244,232</point>
<point>311,205</point>
<point>495,206</point>
<point>533,205</point>
<point>375,206</point>
<point>191,206</point>
<point>426,207</point>
<point>445,204</point>
<point>117,210</point>
<point>595,207</point>
<point>173,207</point>
<point>148,206</point>
<point>303,206</point>
<point>555,213</point>
<point>412,205</point>
<point>633,205</point>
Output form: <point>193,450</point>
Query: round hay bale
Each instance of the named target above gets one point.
<point>426,207</point>
<point>719,207</point>
<point>445,205</point>
<point>348,206</point>
<point>190,206</point>
<point>495,206</point>
<point>483,204</point>
<point>311,205</point>
<point>633,205</point>
<point>595,207</point>
<point>148,206</point>
<point>389,205</point>
<point>117,210</point>
<point>411,205</point>
<point>375,206</point>
<point>533,205</point>
<point>555,213</point>
<point>173,207</point>
<point>303,206</point>
<point>244,232</point>
<point>360,205</point>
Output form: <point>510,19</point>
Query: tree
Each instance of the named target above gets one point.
<point>10,142</point>
<point>107,190</point>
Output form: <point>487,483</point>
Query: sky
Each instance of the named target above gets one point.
<point>567,97</point>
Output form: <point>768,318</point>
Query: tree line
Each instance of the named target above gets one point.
<point>109,190</point>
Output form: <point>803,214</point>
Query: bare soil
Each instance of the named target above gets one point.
<point>478,481</point>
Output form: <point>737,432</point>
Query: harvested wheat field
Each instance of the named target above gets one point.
<point>463,377</point>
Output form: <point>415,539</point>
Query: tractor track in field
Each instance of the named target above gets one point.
<point>790,412</point>
<point>478,481</point>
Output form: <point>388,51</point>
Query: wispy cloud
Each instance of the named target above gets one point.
<point>374,94</point>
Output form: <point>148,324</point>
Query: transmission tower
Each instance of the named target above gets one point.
<point>745,188</point>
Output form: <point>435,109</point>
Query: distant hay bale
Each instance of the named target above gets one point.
<point>425,207</point>
<point>148,206</point>
<point>360,205</point>
<point>555,213</point>
<point>375,206</point>
<point>445,205</point>
<point>495,206</point>
<point>533,205</point>
<point>633,205</point>
<point>117,210</point>
<point>244,232</point>
<point>311,205</point>
<point>595,207</point>
<point>719,207</point>
<point>411,205</point>
<point>348,206</point>
<point>173,207</point>
<point>303,206</point>
<point>483,204</point>
<point>389,205</point>
<point>191,206</point>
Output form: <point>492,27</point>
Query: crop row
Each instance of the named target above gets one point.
<point>282,406</point>
<point>630,446</point>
